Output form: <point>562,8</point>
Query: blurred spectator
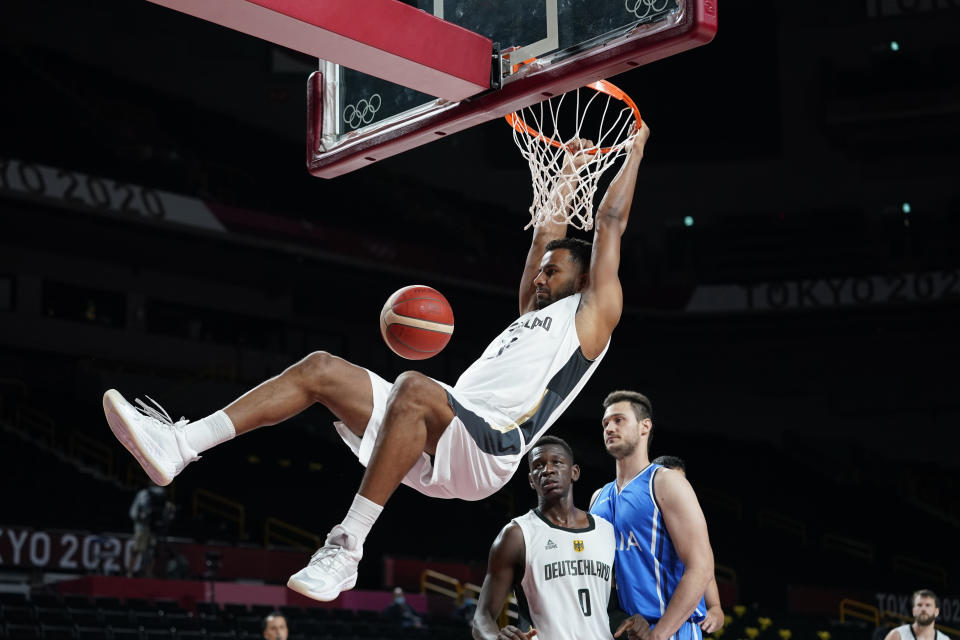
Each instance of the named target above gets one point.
<point>275,627</point>
<point>401,612</point>
<point>465,611</point>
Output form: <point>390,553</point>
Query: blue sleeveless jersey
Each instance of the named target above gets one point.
<point>646,564</point>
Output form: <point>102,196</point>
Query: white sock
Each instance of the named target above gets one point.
<point>360,518</point>
<point>209,432</point>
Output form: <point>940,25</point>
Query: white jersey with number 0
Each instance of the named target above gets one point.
<point>566,582</point>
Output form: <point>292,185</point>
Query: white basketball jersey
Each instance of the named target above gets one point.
<point>530,373</point>
<point>566,583</point>
<point>906,633</point>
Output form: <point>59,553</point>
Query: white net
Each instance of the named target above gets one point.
<point>549,134</point>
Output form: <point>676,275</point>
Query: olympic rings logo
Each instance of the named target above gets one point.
<point>645,8</point>
<point>361,113</point>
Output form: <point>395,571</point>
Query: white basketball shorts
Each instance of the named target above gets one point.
<point>472,461</point>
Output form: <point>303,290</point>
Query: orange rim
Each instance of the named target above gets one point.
<point>601,86</point>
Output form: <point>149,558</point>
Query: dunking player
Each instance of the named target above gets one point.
<point>463,441</point>
<point>664,561</point>
<point>714,619</point>
<point>557,557</point>
<point>926,608</point>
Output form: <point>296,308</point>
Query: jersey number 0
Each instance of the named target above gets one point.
<point>584,596</point>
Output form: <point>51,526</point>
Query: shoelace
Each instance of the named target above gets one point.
<point>161,416</point>
<point>330,558</point>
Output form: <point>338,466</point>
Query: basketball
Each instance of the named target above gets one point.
<point>416,322</point>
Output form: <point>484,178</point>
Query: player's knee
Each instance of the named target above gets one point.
<point>409,382</point>
<point>417,397</point>
<point>316,369</point>
<point>411,387</point>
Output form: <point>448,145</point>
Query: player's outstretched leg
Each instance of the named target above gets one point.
<point>416,416</point>
<point>164,447</point>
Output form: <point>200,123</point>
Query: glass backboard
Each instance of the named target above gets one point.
<point>542,48</point>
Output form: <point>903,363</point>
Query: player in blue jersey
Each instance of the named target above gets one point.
<point>663,561</point>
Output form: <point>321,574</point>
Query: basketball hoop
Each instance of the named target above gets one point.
<point>567,196</point>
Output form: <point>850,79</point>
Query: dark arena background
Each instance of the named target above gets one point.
<point>791,277</point>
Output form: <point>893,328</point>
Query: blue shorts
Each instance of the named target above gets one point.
<point>687,631</point>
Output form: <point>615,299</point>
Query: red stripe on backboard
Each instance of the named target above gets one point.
<point>382,38</point>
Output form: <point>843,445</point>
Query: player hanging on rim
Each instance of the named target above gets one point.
<point>463,441</point>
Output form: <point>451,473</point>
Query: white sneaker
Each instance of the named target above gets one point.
<point>155,440</point>
<point>332,569</point>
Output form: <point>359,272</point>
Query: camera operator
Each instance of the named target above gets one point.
<point>151,514</point>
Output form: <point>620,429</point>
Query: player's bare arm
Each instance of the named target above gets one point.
<point>688,531</point>
<point>602,301</point>
<point>504,568</point>
<point>893,635</point>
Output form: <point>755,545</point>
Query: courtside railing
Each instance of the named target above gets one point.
<point>91,452</point>
<point>441,583</point>
<point>445,585</point>
<point>859,610</point>
<point>849,546</point>
<point>210,503</point>
<point>791,526</point>
<point>927,571</point>
<point>36,425</point>
<point>724,573</point>
<point>276,531</point>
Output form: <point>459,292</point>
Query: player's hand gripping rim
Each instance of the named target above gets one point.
<point>577,154</point>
